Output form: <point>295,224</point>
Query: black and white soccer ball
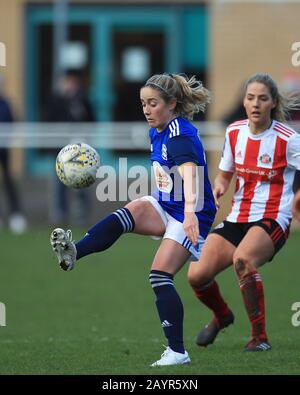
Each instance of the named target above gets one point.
<point>77,165</point>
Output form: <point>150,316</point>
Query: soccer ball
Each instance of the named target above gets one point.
<point>77,165</point>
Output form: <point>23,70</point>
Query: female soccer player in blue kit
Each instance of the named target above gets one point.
<point>183,220</point>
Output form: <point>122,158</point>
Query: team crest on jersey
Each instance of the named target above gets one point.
<point>265,159</point>
<point>164,152</point>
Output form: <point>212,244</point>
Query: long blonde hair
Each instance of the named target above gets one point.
<point>190,94</point>
<point>285,103</point>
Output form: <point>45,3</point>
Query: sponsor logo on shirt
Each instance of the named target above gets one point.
<point>163,180</point>
<point>260,173</point>
<point>271,174</point>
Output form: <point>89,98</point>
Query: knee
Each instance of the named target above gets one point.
<point>242,265</point>
<point>137,209</point>
<point>134,208</point>
<point>191,278</point>
<point>197,278</point>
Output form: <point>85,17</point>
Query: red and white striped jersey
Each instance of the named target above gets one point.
<point>265,166</point>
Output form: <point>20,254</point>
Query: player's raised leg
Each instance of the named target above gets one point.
<point>138,216</point>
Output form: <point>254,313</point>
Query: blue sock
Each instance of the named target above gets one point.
<point>170,308</point>
<point>104,234</point>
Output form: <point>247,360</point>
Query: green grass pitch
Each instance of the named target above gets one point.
<point>101,317</point>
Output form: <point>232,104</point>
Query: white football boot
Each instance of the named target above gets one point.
<point>170,357</point>
<point>64,248</point>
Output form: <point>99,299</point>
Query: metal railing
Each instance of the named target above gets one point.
<point>106,135</point>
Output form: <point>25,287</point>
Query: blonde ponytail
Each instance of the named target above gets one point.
<point>190,94</point>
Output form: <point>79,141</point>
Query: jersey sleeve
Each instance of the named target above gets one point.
<point>182,150</point>
<point>293,152</point>
<point>227,159</point>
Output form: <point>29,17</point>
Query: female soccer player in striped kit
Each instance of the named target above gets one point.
<point>172,212</point>
<point>264,153</point>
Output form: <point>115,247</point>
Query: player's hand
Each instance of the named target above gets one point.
<point>191,227</point>
<point>218,192</point>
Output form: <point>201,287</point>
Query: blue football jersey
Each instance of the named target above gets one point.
<point>179,143</point>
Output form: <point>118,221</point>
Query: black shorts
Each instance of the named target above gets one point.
<point>236,231</point>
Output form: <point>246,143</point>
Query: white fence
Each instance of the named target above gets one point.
<point>107,135</point>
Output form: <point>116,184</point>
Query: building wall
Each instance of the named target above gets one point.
<point>11,32</point>
<point>247,38</point>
